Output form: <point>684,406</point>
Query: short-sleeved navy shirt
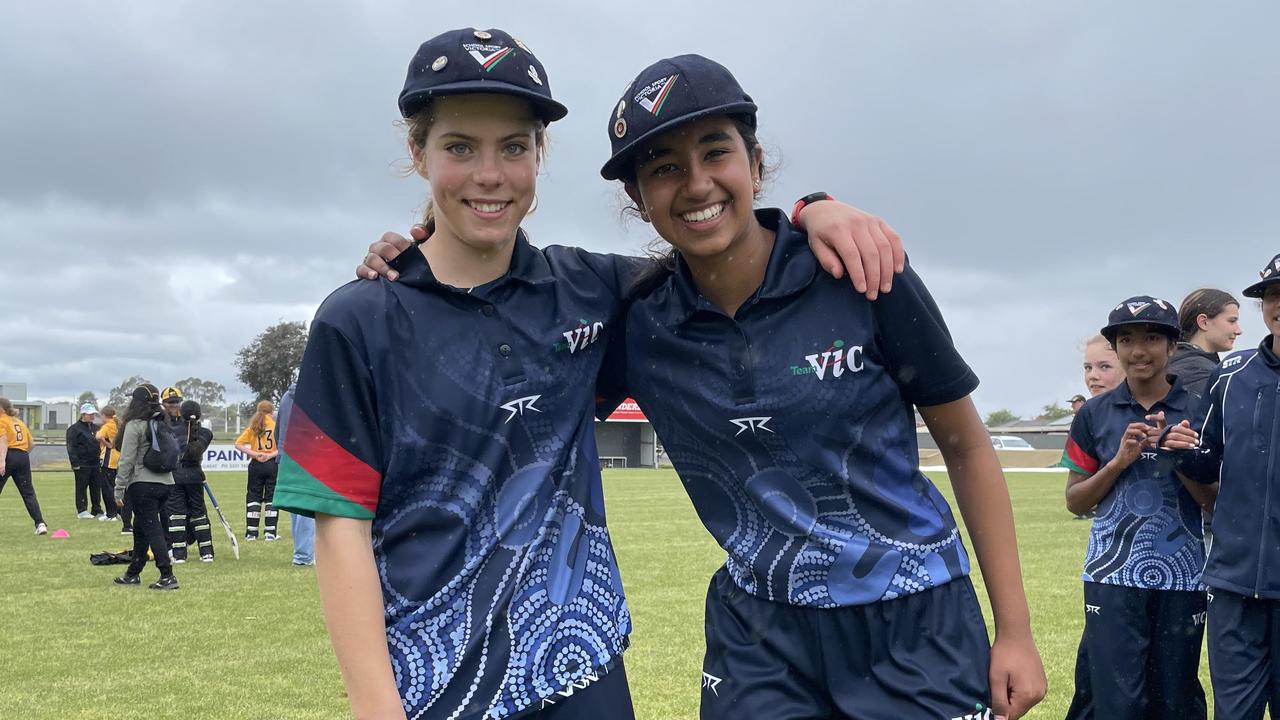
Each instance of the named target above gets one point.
<point>1148,532</point>
<point>461,424</point>
<point>793,429</point>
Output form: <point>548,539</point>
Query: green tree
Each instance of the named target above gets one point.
<point>1001,417</point>
<point>88,396</point>
<point>269,364</point>
<point>1054,411</point>
<point>119,395</point>
<point>208,393</point>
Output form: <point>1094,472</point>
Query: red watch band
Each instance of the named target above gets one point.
<point>807,200</point>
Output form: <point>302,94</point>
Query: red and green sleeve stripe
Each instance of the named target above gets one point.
<point>1076,459</point>
<point>317,475</point>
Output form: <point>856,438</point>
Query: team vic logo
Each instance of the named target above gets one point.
<point>654,95</point>
<point>487,55</point>
<point>834,361</point>
<point>578,338</point>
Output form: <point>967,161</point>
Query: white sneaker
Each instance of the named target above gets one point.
<point>179,561</point>
<point>86,515</point>
<point>42,529</point>
<point>271,537</point>
<point>206,558</point>
<point>105,518</point>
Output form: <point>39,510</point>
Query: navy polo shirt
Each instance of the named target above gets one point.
<point>1147,532</point>
<point>460,422</point>
<point>792,426</point>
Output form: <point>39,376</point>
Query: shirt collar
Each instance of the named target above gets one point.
<point>1268,353</point>
<point>528,266</point>
<point>1176,399</point>
<point>791,269</point>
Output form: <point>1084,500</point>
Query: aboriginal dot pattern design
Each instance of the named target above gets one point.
<point>792,428</point>
<point>499,581</point>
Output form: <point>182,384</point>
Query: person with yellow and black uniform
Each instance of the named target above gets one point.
<point>258,441</point>
<point>15,445</point>
<point>109,464</point>
<point>185,507</point>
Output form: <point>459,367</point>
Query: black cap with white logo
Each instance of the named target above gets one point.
<point>668,93</point>
<point>1270,273</point>
<point>1143,310</point>
<point>467,61</point>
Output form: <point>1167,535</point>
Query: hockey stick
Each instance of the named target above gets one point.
<point>231,534</point>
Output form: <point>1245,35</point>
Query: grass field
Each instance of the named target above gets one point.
<point>245,639</point>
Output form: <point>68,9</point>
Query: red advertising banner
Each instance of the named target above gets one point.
<point>628,411</point>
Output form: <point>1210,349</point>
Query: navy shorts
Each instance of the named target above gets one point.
<point>603,695</point>
<point>1244,655</point>
<point>1143,650</point>
<point>925,655</point>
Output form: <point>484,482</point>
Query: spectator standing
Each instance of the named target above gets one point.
<point>258,441</point>
<point>145,488</point>
<point>82,451</point>
<point>109,464</point>
<point>185,507</point>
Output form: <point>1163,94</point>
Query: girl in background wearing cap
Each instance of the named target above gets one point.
<point>1144,606</point>
<point>785,404</point>
<point>188,519</point>
<point>258,441</point>
<point>1236,439</point>
<point>15,461</point>
<point>145,488</point>
<point>480,149</point>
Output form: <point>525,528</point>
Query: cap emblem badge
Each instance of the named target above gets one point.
<point>622,105</point>
<point>533,74</point>
<point>1136,308</point>
<point>654,95</point>
<point>482,35</point>
<point>439,63</point>
<point>490,61</point>
<point>620,128</point>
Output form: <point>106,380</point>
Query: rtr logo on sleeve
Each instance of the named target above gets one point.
<point>835,361</point>
<point>519,406</point>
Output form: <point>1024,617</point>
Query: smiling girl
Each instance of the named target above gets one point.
<point>786,405</point>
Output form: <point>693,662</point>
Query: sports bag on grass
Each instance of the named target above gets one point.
<point>162,456</point>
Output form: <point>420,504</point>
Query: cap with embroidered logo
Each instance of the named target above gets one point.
<point>469,61</point>
<point>669,93</point>
<point>1143,310</point>
<point>1270,273</point>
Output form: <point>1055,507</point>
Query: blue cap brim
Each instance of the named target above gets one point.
<point>1258,289</point>
<point>548,110</point>
<point>613,169</point>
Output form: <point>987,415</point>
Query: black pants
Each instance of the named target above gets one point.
<point>185,512</point>
<point>262,489</point>
<point>89,490</point>
<point>106,479</point>
<point>17,465</point>
<point>1244,655</point>
<point>1144,652</point>
<point>148,501</point>
<point>1082,702</point>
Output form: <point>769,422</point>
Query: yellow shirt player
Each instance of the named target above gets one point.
<point>259,442</point>
<point>15,461</point>
<point>106,440</point>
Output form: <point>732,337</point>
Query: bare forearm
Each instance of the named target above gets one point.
<point>983,500</point>
<point>1085,494</point>
<point>351,596</point>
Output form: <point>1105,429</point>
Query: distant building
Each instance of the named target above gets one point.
<point>626,438</point>
<point>38,414</point>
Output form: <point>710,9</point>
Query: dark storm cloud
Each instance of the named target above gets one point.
<point>175,177</point>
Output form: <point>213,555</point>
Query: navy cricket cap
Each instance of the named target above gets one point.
<point>1143,310</point>
<point>669,93</point>
<point>1269,274</point>
<point>466,61</point>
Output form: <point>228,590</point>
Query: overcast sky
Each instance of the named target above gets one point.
<point>176,176</point>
